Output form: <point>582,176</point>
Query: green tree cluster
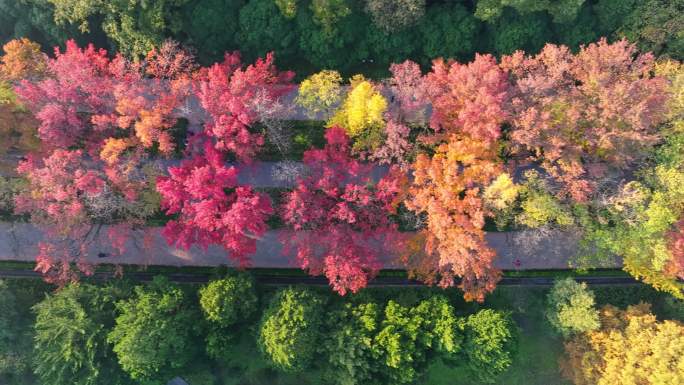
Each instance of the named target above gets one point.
<point>366,343</point>
<point>226,304</point>
<point>71,337</point>
<point>346,35</point>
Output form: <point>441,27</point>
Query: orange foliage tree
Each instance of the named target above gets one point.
<point>22,60</point>
<point>448,188</point>
<point>469,105</point>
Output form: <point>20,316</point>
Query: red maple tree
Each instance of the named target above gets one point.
<point>211,207</point>
<point>339,217</point>
<point>72,197</point>
<point>226,91</point>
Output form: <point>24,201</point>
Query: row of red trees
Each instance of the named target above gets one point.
<point>104,123</point>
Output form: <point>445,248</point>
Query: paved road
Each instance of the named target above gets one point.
<point>18,241</point>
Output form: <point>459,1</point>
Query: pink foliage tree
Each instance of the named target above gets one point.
<point>408,107</point>
<point>586,117</point>
<point>79,84</point>
<point>338,218</point>
<point>470,99</point>
<point>226,90</point>
<point>408,91</point>
<point>211,207</point>
<point>72,199</point>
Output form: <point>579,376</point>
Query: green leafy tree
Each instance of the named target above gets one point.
<point>410,336</point>
<point>514,31</point>
<point>287,7</point>
<point>385,48</point>
<point>212,27</point>
<point>612,13</point>
<point>584,30</point>
<point>395,15</point>
<point>135,26</point>
<point>327,13</point>
<point>339,46</point>
<point>539,207</point>
<point>641,216</point>
<point>229,300</point>
<point>290,329</point>
<point>263,29</point>
<point>490,339</point>
<point>154,333</point>
<point>563,11</point>
<point>349,344</point>
<point>320,93</point>
<point>32,19</point>
<point>71,337</point>
<point>226,303</point>
<point>658,26</point>
<point>448,31</point>
<point>571,307</point>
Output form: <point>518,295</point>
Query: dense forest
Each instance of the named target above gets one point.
<point>350,36</point>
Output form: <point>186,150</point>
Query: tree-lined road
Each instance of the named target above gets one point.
<point>19,241</point>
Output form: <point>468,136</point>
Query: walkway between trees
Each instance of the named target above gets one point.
<point>516,250</point>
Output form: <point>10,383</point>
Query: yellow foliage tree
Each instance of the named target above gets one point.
<point>630,348</point>
<point>320,93</point>
<point>501,192</point>
<point>362,114</point>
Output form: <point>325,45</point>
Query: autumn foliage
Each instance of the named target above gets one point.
<point>22,60</point>
<point>226,91</point>
<point>468,99</point>
<point>212,208</point>
<point>631,347</point>
<point>447,187</point>
<point>79,84</point>
<point>71,199</point>
<point>339,217</point>
<point>455,140</point>
<point>585,116</point>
